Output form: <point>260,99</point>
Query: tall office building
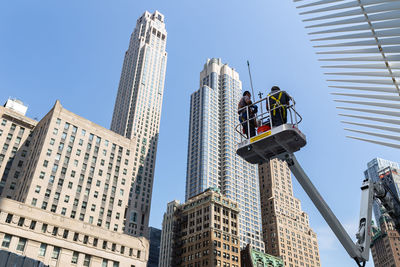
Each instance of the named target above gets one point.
<point>137,111</point>
<point>68,179</point>
<point>212,159</point>
<point>372,173</point>
<point>286,229</point>
<point>204,232</point>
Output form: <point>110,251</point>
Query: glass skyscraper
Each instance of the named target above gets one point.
<point>371,173</point>
<point>137,112</point>
<point>212,159</point>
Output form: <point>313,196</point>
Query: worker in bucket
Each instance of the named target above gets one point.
<point>243,116</point>
<point>277,104</point>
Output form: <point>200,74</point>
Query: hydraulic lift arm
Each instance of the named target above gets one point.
<point>358,251</point>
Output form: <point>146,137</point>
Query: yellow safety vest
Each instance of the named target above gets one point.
<point>277,103</point>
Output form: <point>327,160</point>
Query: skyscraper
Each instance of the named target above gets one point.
<point>212,159</point>
<point>137,111</point>
<point>286,229</point>
<point>372,173</point>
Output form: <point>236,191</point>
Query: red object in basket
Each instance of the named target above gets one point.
<point>263,129</point>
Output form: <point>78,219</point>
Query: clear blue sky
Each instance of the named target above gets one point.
<point>73,51</point>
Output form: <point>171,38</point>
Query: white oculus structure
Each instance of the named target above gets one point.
<point>360,40</point>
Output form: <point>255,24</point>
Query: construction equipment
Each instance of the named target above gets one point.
<point>281,142</point>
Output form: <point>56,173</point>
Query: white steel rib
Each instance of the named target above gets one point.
<point>362,35</point>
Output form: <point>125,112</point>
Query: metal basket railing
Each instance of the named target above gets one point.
<point>263,115</point>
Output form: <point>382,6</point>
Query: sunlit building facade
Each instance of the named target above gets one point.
<point>137,111</point>
<point>212,159</point>
<point>286,227</point>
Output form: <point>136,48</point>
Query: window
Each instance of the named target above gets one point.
<point>56,253</point>
<point>45,163</point>
<point>44,228</point>
<point>104,263</point>
<point>42,249</point>
<point>21,221</point>
<point>21,244</point>
<point>75,257</point>
<point>34,201</point>
<point>55,231</point>
<point>65,234</point>
<point>86,261</point>
<point>6,241</point>
<point>37,190</point>
<point>32,225</point>
<point>116,264</point>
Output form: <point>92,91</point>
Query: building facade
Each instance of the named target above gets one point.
<point>66,172</point>
<point>205,232</point>
<point>385,245</point>
<point>57,240</point>
<point>154,253</point>
<point>77,169</point>
<point>372,173</point>
<point>167,235</point>
<point>212,159</point>
<point>137,111</point>
<point>286,229</point>
<point>15,138</point>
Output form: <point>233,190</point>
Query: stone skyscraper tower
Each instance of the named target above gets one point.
<point>212,159</point>
<point>286,229</point>
<point>137,111</point>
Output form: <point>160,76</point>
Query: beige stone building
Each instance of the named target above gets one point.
<point>73,175</point>
<point>57,240</point>
<point>286,229</point>
<point>205,232</point>
<point>137,111</point>
<point>15,130</point>
<point>78,169</point>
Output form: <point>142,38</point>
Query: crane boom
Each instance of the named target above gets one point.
<point>354,250</point>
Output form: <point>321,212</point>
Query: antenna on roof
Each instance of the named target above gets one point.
<point>251,81</point>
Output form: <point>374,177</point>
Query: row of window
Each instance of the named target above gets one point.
<point>77,237</point>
